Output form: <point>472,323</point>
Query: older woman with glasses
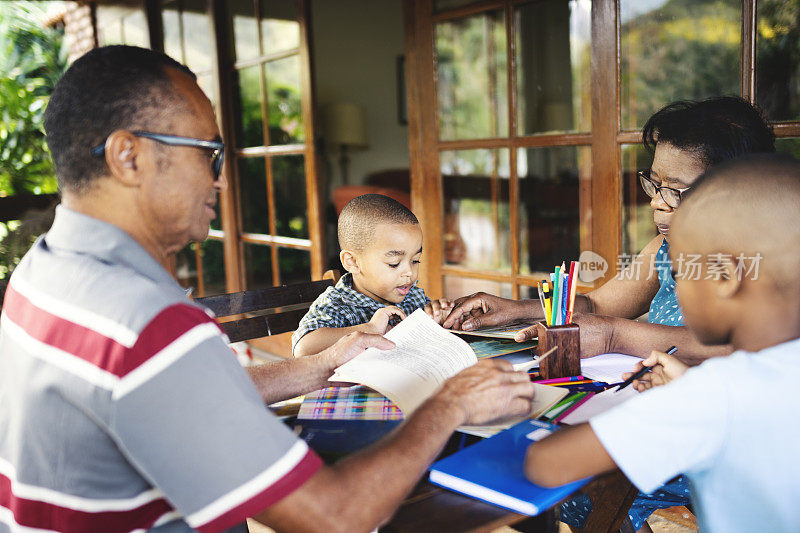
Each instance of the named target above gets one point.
<point>685,138</point>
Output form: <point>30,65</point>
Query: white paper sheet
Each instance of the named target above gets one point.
<point>608,367</point>
<point>599,403</point>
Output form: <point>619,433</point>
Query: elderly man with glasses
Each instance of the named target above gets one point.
<point>121,406</point>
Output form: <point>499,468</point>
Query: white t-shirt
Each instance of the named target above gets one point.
<point>732,425</point>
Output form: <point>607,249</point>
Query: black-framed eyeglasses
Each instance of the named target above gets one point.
<point>671,197</point>
<point>217,148</point>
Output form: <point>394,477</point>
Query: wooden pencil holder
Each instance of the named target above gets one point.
<point>566,360</point>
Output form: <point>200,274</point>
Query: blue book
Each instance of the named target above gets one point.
<point>492,471</point>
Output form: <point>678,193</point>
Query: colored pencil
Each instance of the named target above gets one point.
<point>557,297</point>
<point>573,286</point>
<point>564,289</point>
<point>541,297</point>
<point>568,402</point>
<point>571,383</point>
<point>548,352</point>
<point>560,380</point>
<point>547,303</point>
<point>572,407</point>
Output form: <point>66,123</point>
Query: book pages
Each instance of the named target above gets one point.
<point>424,357</point>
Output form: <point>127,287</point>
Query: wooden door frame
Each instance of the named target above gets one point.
<point>603,216</point>
<point>230,201</point>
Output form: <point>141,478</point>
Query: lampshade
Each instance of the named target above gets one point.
<point>344,124</point>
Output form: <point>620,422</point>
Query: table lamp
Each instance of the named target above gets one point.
<point>345,125</point>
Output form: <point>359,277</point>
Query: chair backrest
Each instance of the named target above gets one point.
<point>278,309</point>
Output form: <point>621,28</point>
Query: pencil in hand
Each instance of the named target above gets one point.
<point>642,371</point>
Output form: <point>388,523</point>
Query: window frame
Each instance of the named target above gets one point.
<point>601,207</point>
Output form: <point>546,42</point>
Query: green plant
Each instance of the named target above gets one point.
<point>32,58</point>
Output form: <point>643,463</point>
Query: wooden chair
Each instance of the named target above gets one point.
<point>263,312</point>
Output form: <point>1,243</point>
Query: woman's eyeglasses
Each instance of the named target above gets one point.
<point>671,197</point>
<point>217,148</point>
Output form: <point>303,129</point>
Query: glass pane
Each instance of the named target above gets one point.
<point>283,101</point>
<point>135,30</point>
<point>553,45</point>
<point>216,223</point>
<point>676,51</point>
<point>213,267</point>
<point>778,59</point>
<point>197,35</point>
<point>258,266</point>
<point>476,220</point>
<point>111,33</point>
<point>471,77</point>
<point>289,184</point>
<point>186,267</point>
<point>528,293</point>
<point>790,145</point>
<point>279,27</point>
<point>209,86</point>
<point>295,265</point>
<point>249,116</point>
<point>245,29</point>
<point>456,286</point>
<point>637,216</point>
<point>253,187</point>
<point>550,180</point>
<point>172,32</point>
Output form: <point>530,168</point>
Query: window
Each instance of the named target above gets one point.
<point>188,38</point>
<point>264,233</point>
<point>271,142</point>
<point>122,25</point>
<point>530,117</point>
<point>513,102</point>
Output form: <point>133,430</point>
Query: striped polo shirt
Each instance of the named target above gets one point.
<point>121,406</point>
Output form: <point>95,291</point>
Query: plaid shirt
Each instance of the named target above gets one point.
<point>343,306</point>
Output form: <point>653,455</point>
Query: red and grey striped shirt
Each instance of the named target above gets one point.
<point>121,406</point>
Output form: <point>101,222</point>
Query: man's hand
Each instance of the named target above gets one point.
<point>665,369</point>
<point>438,309</point>
<point>350,346</point>
<point>482,309</point>
<point>596,334</point>
<point>488,391</point>
<point>379,323</point>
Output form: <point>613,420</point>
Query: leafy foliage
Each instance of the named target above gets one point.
<point>32,58</point>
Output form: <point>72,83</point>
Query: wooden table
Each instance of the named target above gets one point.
<point>433,509</point>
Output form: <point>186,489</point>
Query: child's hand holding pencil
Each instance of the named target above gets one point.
<point>665,369</point>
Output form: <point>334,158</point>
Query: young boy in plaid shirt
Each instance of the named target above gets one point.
<point>381,244</point>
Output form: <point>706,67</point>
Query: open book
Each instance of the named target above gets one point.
<point>424,356</point>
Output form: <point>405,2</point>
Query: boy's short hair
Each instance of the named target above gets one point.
<point>749,205</point>
<point>717,129</point>
<point>363,213</point>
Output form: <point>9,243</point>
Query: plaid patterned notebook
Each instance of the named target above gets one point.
<point>348,403</point>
